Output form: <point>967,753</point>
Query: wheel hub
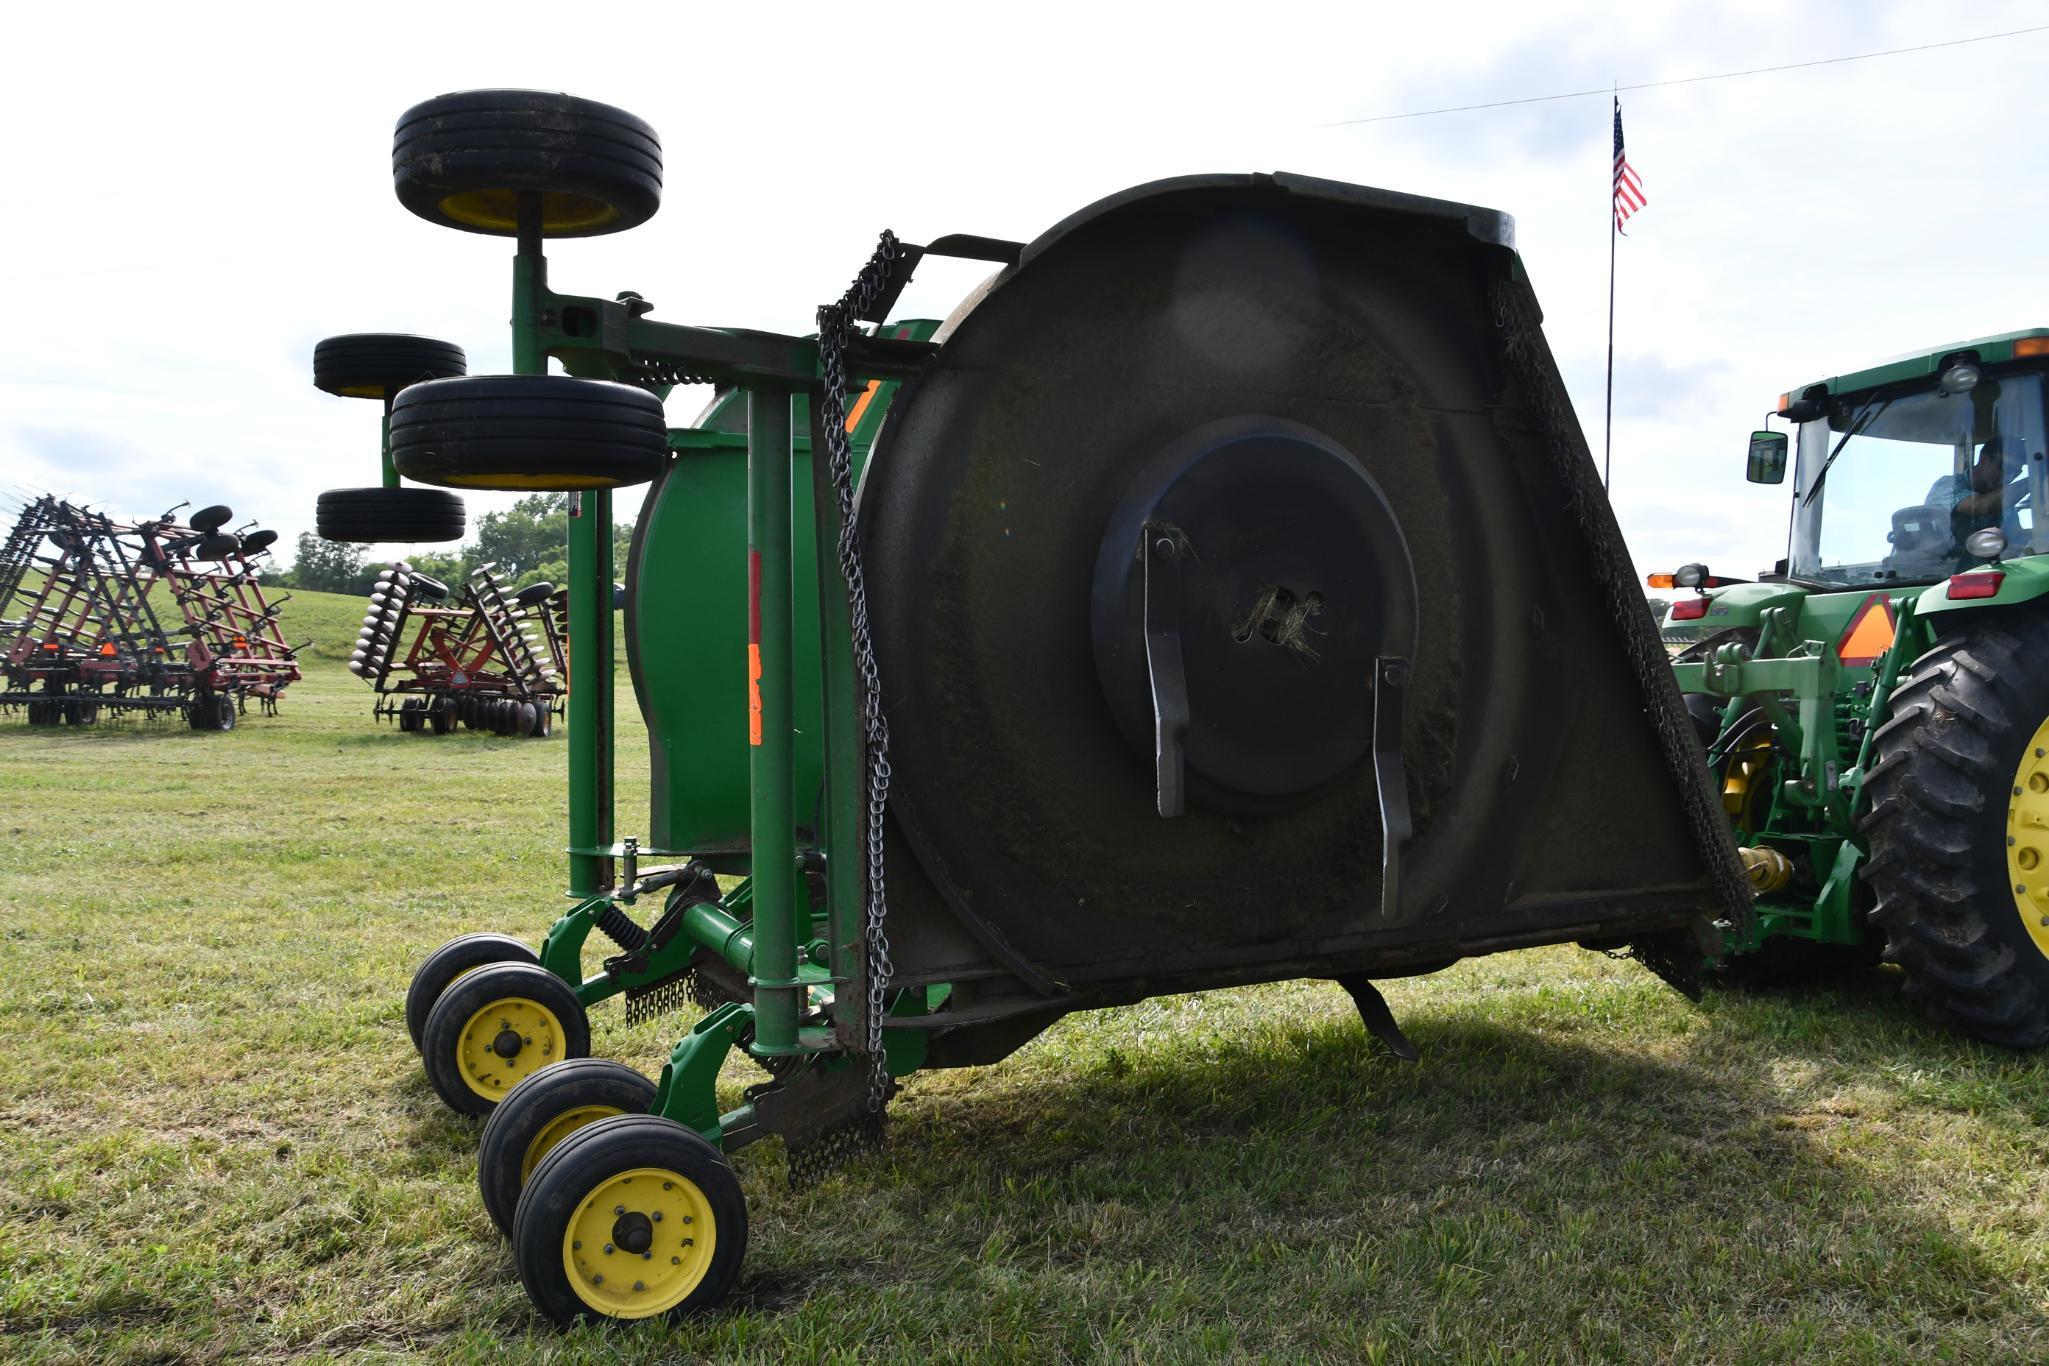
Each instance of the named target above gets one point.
<point>506,1044</point>
<point>633,1232</point>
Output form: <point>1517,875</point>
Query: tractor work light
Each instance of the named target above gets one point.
<point>1981,583</point>
<point>1960,378</point>
<point>1988,543</point>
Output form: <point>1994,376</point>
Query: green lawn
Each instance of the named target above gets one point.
<point>215,1142</point>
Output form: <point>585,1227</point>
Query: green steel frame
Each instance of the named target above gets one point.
<point>794,961</point>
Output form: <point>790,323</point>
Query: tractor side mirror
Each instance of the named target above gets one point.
<point>1767,458</point>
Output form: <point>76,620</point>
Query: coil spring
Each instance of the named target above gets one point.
<point>618,927</point>
<point>649,373</point>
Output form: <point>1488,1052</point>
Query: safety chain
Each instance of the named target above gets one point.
<point>836,324</point>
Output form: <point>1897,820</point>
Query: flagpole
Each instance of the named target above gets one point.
<point>1608,427</point>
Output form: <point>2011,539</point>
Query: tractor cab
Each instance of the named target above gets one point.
<point>1918,479</point>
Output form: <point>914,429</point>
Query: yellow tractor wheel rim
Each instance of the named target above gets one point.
<point>505,1042</point>
<point>498,210</point>
<point>639,1243</point>
<point>559,1128</point>
<point>2027,839</point>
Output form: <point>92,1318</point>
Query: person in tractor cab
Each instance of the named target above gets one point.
<point>1989,496</point>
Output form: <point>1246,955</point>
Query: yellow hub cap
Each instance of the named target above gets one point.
<point>2027,839</point>
<point>639,1244</point>
<point>559,1128</point>
<point>506,1041</point>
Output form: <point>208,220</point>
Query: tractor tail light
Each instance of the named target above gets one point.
<point>1983,583</point>
<point>1689,609</point>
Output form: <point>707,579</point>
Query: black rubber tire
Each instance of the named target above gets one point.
<point>208,520</point>
<point>214,712</point>
<point>460,160</point>
<point>596,1153</point>
<point>544,724</point>
<point>464,953</point>
<point>409,715</point>
<point>39,714</point>
<point>528,432</point>
<point>530,1107</point>
<point>215,547</point>
<point>379,514</point>
<point>258,541</point>
<point>427,587</point>
<point>441,1038</point>
<point>1939,787</point>
<point>84,712</point>
<point>379,364</point>
<point>441,716</point>
<point>534,594</point>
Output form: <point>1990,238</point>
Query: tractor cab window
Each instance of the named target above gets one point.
<point>1891,483</point>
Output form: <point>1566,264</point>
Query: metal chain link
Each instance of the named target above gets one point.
<point>836,323</point>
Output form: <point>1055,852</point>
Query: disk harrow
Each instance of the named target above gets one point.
<point>1198,624</point>
<point>479,657</point>
<point>88,634</point>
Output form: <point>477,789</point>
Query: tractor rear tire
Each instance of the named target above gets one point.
<point>655,1165</point>
<point>463,954</point>
<point>380,514</point>
<point>497,1026</point>
<point>528,432</point>
<point>379,364</point>
<point>462,161</point>
<point>1958,829</point>
<point>543,1110</point>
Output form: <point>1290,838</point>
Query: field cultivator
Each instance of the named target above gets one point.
<point>487,660</point>
<point>1204,618</point>
<point>87,634</point>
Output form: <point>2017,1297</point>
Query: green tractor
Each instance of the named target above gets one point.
<point>1875,711</point>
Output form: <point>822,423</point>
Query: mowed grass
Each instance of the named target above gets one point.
<point>215,1143</point>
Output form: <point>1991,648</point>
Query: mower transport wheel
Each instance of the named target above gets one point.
<point>380,514</point>
<point>543,1110</point>
<point>630,1218</point>
<point>215,711</point>
<point>462,160</point>
<point>525,432</point>
<point>1959,832</point>
<point>463,954</point>
<point>208,520</point>
<point>379,364</point>
<point>495,1027</point>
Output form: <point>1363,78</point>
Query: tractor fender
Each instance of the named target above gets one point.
<point>2026,579</point>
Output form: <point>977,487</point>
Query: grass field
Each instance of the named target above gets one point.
<point>215,1143</point>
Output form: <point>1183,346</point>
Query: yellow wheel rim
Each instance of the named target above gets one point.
<point>639,1244</point>
<point>559,1128</point>
<point>505,1042</point>
<point>2027,839</point>
<point>498,210</point>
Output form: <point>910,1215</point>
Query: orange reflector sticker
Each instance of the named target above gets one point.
<point>1869,634</point>
<point>861,404</point>
<point>753,694</point>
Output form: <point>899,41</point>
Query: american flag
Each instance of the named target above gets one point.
<point>1629,195</point>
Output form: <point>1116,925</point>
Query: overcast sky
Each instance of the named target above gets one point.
<point>197,194</point>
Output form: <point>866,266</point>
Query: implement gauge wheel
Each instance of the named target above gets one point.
<point>214,711</point>
<point>463,160</point>
<point>379,364</point>
<point>462,954</point>
<point>1959,831</point>
<point>208,520</point>
<point>543,1110</point>
<point>381,514</point>
<point>630,1218</point>
<point>496,1026</point>
<point>525,432</point>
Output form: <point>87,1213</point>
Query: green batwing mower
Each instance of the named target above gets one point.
<point>1183,612</point>
<point>1875,710</point>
